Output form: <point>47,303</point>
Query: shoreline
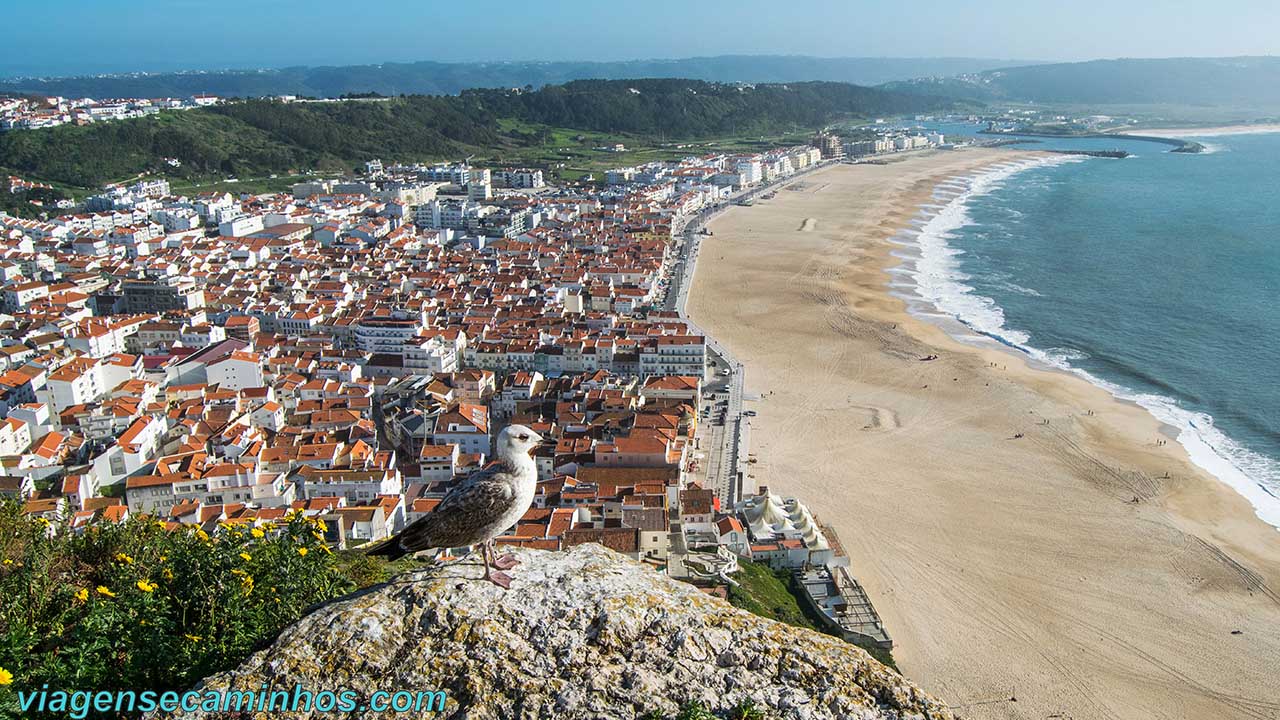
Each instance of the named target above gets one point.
<point>995,562</point>
<point>977,319</point>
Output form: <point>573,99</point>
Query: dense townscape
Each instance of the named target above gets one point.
<point>349,351</point>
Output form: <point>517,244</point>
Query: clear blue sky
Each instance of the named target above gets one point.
<point>86,36</point>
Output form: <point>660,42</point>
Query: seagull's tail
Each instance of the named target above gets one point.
<point>389,548</point>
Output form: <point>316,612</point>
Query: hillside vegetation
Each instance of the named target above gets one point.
<point>265,136</point>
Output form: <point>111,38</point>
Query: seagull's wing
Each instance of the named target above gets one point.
<point>473,504</point>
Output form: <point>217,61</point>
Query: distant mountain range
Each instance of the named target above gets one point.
<point>1241,82</point>
<point>435,78</point>
<point>1220,82</point>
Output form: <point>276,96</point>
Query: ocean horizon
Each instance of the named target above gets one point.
<point>1153,277</point>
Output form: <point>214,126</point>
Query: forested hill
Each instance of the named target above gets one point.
<point>436,78</point>
<point>261,136</point>
<point>690,108</point>
<point>1243,82</point>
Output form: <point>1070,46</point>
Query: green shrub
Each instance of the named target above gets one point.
<point>140,606</point>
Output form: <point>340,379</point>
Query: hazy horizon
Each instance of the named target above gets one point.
<point>519,61</point>
<point>83,37</point>
<point>6,74</point>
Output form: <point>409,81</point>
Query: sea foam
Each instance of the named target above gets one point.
<point>937,289</point>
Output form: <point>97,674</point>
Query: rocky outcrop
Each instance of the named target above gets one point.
<point>584,633</point>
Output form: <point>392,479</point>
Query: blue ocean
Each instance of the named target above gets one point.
<point>1156,276</point>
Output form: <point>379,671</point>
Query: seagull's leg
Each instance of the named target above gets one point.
<point>498,578</point>
<point>503,562</point>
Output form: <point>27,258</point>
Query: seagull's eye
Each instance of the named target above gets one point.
<point>524,437</point>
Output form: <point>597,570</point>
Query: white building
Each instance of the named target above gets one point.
<point>76,383</point>
<point>241,226</point>
<point>523,178</point>
<point>438,462</point>
<point>237,371</point>
<point>674,355</point>
<point>359,487</point>
<point>750,169</point>
<point>479,185</point>
<point>466,426</point>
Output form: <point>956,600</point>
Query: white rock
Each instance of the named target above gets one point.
<point>585,633</point>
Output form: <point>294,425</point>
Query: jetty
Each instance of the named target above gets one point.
<point>1113,154</point>
<point>1179,145</point>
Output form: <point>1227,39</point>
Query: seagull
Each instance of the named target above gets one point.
<point>479,509</point>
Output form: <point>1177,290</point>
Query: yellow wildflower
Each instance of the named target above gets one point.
<point>7,561</point>
<point>246,557</point>
<point>145,586</point>
<point>202,535</point>
<point>257,533</point>
<point>302,552</point>
<point>320,524</point>
<point>167,574</point>
<point>6,677</point>
<point>104,590</point>
<point>82,594</point>
<point>122,558</point>
<point>193,638</point>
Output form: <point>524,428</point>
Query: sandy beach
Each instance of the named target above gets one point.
<point>1249,129</point>
<point>1083,569</point>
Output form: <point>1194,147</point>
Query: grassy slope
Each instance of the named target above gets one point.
<point>577,150</point>
<point>767,593</point>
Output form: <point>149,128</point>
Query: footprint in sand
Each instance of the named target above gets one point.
<point>808,225</point>
<point>878,418</point>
